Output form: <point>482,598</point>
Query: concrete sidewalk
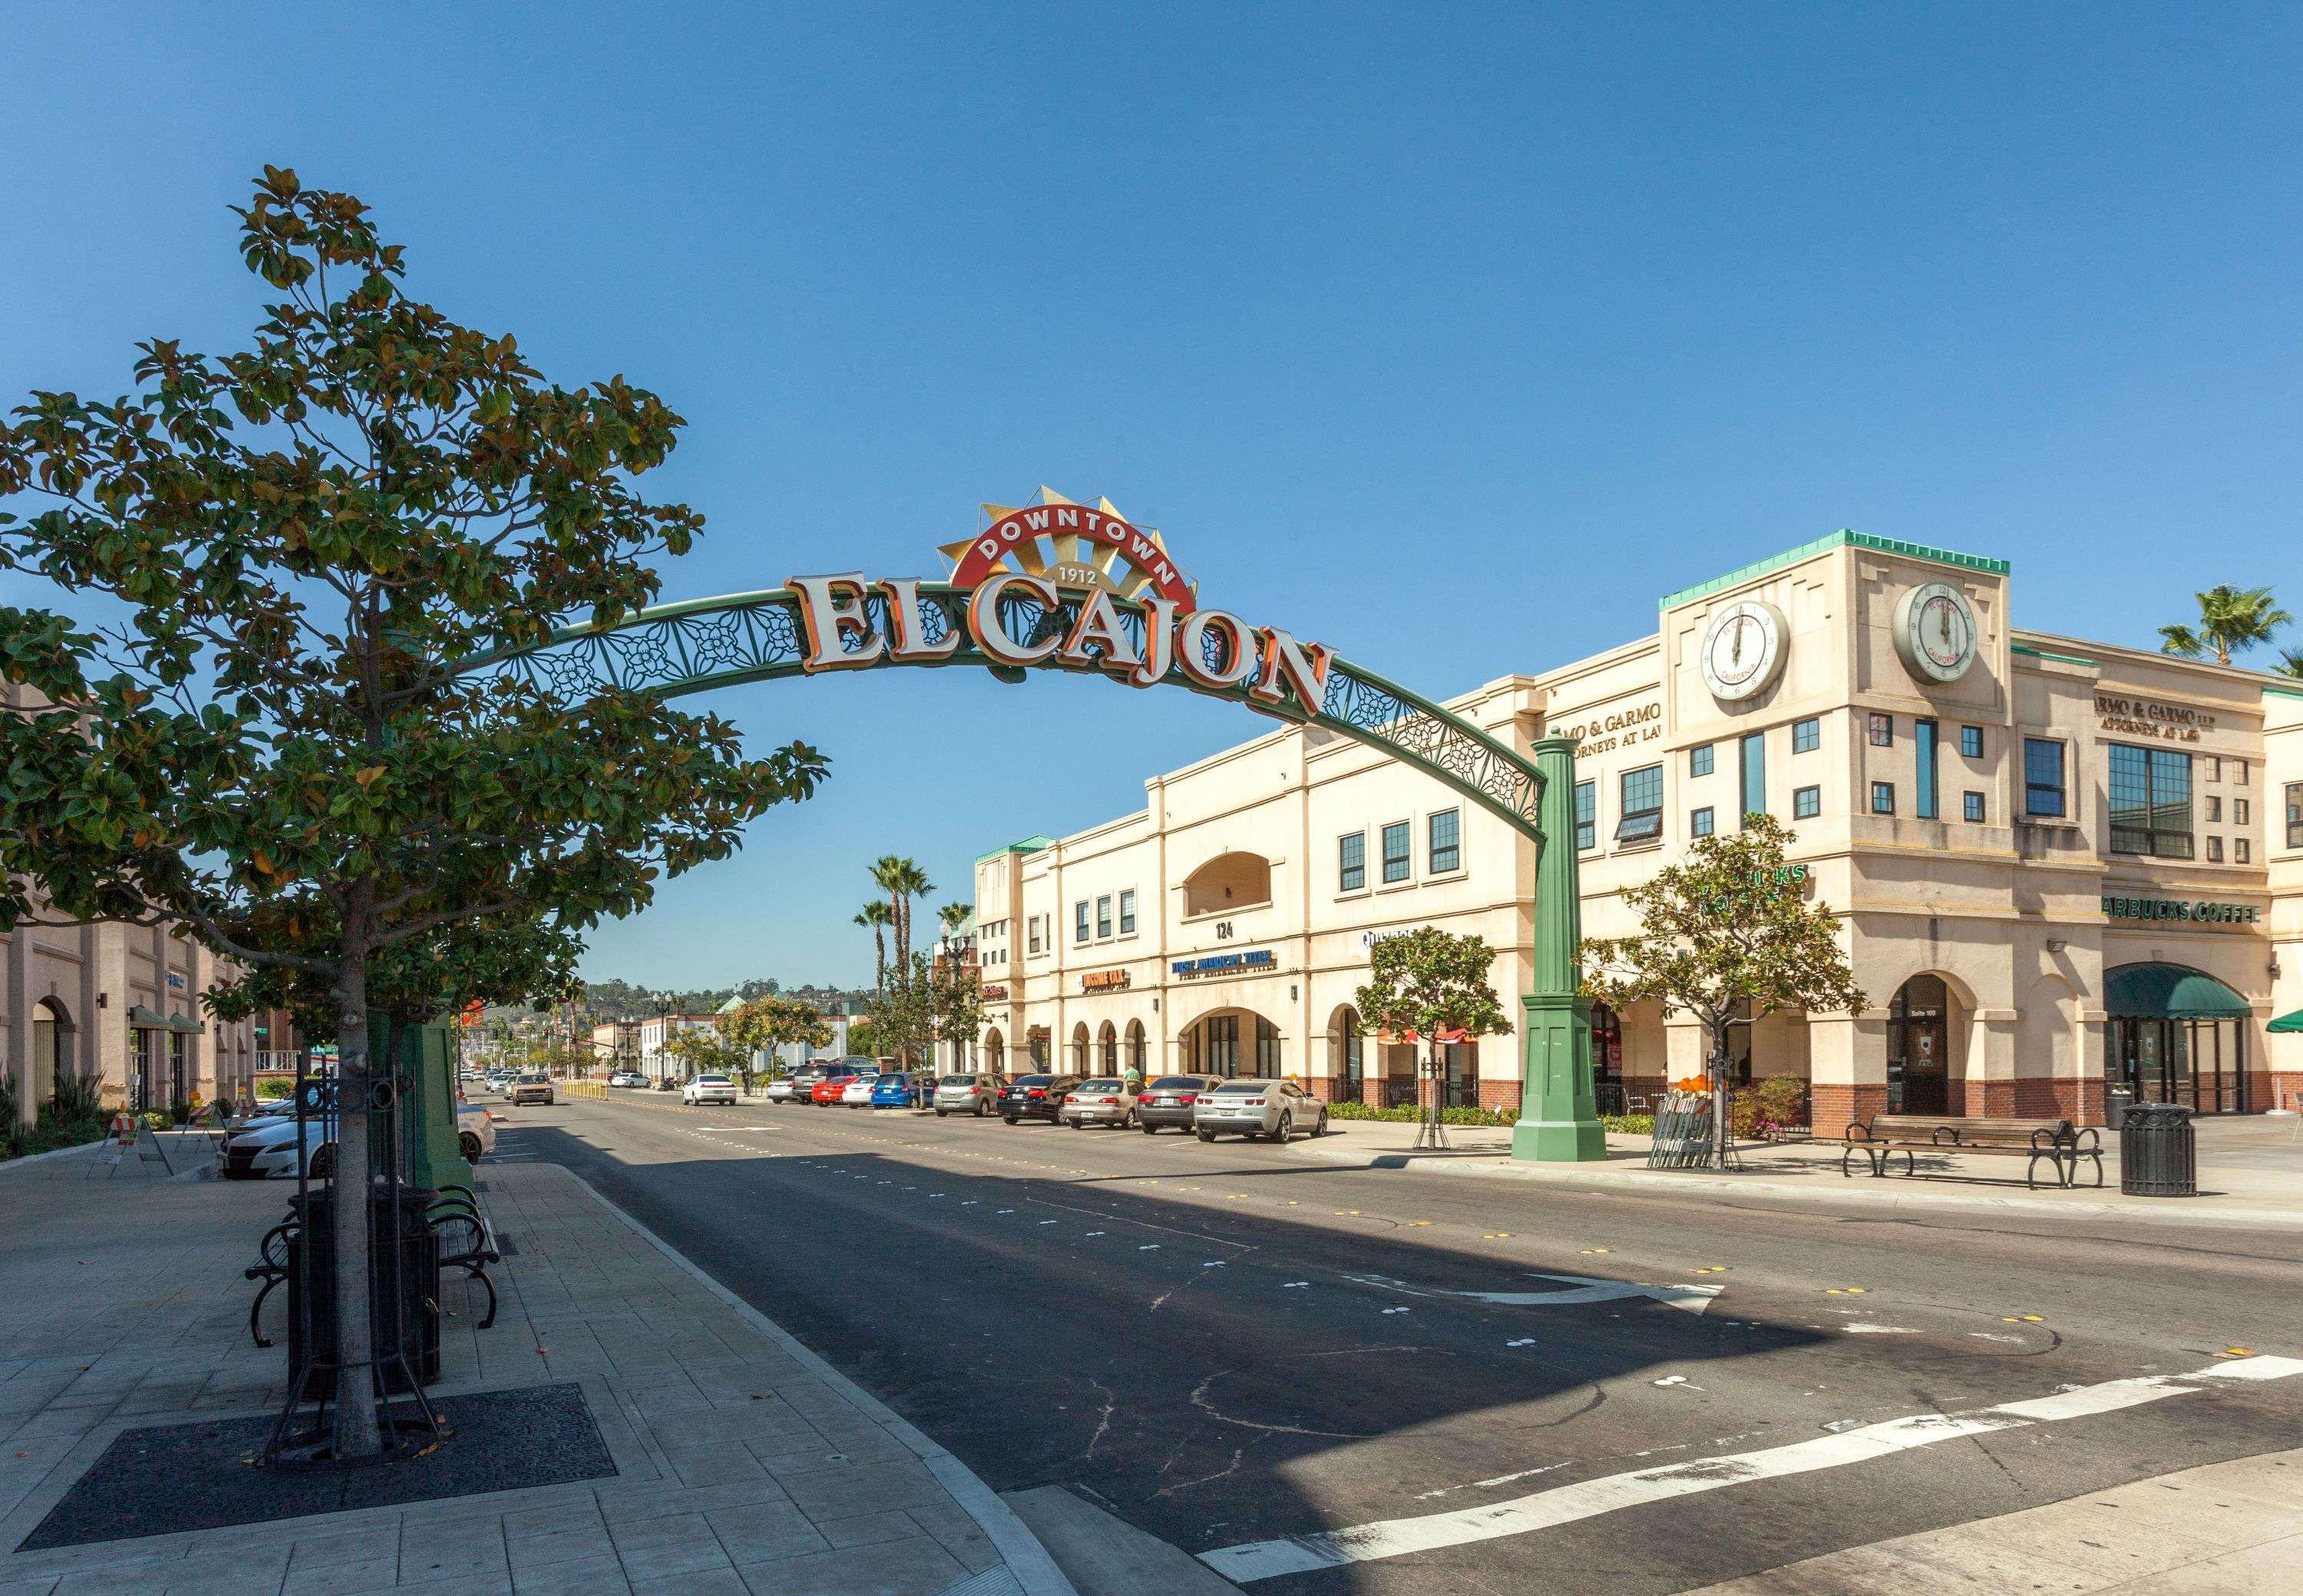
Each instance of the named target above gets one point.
<point>744,1462</point>
<point>2250,1171</point>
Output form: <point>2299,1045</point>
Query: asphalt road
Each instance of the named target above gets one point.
<point>1237,1346</point>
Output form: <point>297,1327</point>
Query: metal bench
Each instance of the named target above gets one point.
<point>1886,1135</point>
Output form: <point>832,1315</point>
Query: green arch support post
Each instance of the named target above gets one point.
<point>670,650</point>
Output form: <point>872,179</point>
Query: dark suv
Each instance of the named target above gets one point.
<point>1035,1096</point>
<point>1168,1100</point>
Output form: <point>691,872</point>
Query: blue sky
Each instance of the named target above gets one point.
<point>1450,335</point>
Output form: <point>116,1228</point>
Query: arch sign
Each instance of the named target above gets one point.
<point>1054,586</point>
<point>1060,586</point>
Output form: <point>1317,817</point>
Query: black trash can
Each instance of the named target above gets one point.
<point>2156,1155</point>
<point>417,1325</point>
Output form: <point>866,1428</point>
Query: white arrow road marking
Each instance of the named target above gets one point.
<point>1589,1499</point>
<point>1694,1299</point>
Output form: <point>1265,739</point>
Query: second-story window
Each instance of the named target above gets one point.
<point>1103,915</point>
<point>1883,731</point>
<point>2150,802</point>
<point>2043,792</point>
<point>1923,748</point>
<point>1032,929</point>
<point>1079,921</point>
<point>1127,912</point>
<point>1351,862</point>
<point>1698,761</point>
<point>2295,814</point>
<point>1446,829</point>
<point>1807,736</point>
<point>1398,845</point>
<point>1641,817</point>
<point>1587,815</point>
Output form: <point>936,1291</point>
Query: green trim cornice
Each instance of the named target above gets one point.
<point>1846,538</point>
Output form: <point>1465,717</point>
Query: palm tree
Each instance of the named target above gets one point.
<point>2231,619</point>
<point>2290,662</point>
<point>953,915</point>
<point>902,880</point>
<point>875,915</point>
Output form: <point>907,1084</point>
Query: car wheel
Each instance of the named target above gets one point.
<point>1205,1136</point>
<point>1286,1128</point>
<point>1012,1119</point>
<point>941,1112</point>
<point>323,1161</point>
<point>1320,1129</point>
<point>1149,1130</point>
<point>1076,1123</point>
<point>469,1146</point>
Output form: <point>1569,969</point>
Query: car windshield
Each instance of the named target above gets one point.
<point>1103,1084</point>
<point>712,1080</point>
<point>960,1080</point>
<point>1242,1088</point>
<point>1031,1080</point>
<point>1177,1083</point>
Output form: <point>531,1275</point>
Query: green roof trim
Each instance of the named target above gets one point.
<point>2282,692</point>
<point>1028,845</point>
<point>2061,659</point>
<point>1845,538</point>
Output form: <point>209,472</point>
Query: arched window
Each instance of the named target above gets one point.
<point>1227,883</point>
<point>1079,1049</point>
<point>995,1054</point>
<point>1350,1066</point>
<point>1107,1046</point>
<point>1267,1048</point>
<point>1135,1046</point>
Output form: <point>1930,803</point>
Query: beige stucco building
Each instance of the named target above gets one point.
<point>2064,871</point>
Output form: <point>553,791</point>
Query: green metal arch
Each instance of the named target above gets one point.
<point>670,650</point>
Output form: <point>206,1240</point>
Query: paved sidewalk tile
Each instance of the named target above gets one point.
<point>738,1465</point>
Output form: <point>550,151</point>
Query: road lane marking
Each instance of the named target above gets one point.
<point>1692,1299</point>
<point>1589,1499</point>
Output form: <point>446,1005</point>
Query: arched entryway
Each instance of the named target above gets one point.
<point>1232,1041</point>
<point>995,1053</point>
<point>1075,1057</point>
<point>53,1047</point>
<point>2176,1035</point>
<point>1136,1048</point>
<point>1347,1055</point>
<point>1920,1026</point>
<point>1107,1049</point>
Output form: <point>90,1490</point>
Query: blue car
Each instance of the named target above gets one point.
<point>892,1091</point>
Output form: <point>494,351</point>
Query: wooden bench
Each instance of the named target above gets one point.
<point>2054,1140</point>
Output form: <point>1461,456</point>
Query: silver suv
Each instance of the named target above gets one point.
<point>1258,1108</point>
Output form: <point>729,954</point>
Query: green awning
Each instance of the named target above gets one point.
<point>2288,1022</point>
<point>141,1016</point>
<point>138,1015</point>
<point>2169,991</point>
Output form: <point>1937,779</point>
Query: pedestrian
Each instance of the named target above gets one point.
<point>1132,1077</point>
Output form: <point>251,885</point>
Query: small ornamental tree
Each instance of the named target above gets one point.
<point>902,1014</point>
<point>955,1002</point>
<point>709,1050</point>
<point>1725,936</point>
<point>766,1024</point>
<point>1429,983</point>
<point>272,744</point>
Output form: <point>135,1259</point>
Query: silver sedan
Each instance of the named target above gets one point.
<point>1259,1108</point>
<point>1103,1101</point>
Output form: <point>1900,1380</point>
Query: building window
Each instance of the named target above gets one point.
<point>1807,802</point>
<point>1883,731</point>
<point>1698,761</point>
<point>2295,814</point>
<point>1923,744</point>
<point>2215,808</point>
<point>1882,797</point>
<point>2239,772</point>
<point>1587,815</point>
<point>1351,862</point>
<point>1973,802</point>
<point>2043,776</point>
<point>1267,1050</point>
<point>1970,741</point>
<point>2214,767</point>
<point>1699,824</point>
<point>1753,796</point>
<point>1032,927</point>
<point>2240,813</point>
<point>1127,912</point>
<point>2242,851</point>
<point>2215,850</point>
<point>1445,829</point>
<point>1397,850</point>
<point>1103,915</point>
<point>1642,812</point>
<point>2150,802</point>
<point>1079,921</point>
<point>1807,736</point>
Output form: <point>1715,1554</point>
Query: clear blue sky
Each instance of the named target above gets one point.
<point>1451,336</point>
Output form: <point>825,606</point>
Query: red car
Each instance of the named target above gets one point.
<point>828,1089</point>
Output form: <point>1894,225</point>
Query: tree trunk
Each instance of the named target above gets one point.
<point>357,1433</point>
<point>1719,1111</point>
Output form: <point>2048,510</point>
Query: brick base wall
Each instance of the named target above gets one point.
<point>2268,1090</point>
<point>1834,1107</point>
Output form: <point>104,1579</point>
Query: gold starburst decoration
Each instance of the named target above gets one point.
<point>1065,550</point>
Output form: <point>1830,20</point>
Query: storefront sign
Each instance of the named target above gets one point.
<point>992,995</point>
<point>1369,939</point>
<point>2139,717</point>
<point>1223,963</point>
<point>1622,725</point>
<point>2180,909</point>
<point>1104,981</point>
<point>175,982</point>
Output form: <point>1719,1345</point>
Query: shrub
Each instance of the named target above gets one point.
<point>1629,1125</point>
<point>1411,1116</point>
<point>1775,1103</point>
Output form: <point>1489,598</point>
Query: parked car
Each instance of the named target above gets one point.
<point>857,1092</point>
<point>1170,1101</point>
<point>968,1094</point>
<point>475,1131</point>
<point>709,1088</point>
<point>898,1090</point>
<point>627,1077</point>
<point>534,1087</point>
<point>268,1151</point>
<point>1035,1096</point>
<point>1258,1108</point>
<point>778,1090</point>
<point>829,1089</point>
<point>1102,1099</point>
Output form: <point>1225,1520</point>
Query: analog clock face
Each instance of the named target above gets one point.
<point>1934,632</point>
<point>1743,650</point>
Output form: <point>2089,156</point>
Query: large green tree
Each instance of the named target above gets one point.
<point>766,1024</point>
<point>2232,620</point>
<point>267,741</point>
<point>1728,936</point>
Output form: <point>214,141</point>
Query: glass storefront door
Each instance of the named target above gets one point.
<point>1919,1048</point>
<point>2197,1063</point>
